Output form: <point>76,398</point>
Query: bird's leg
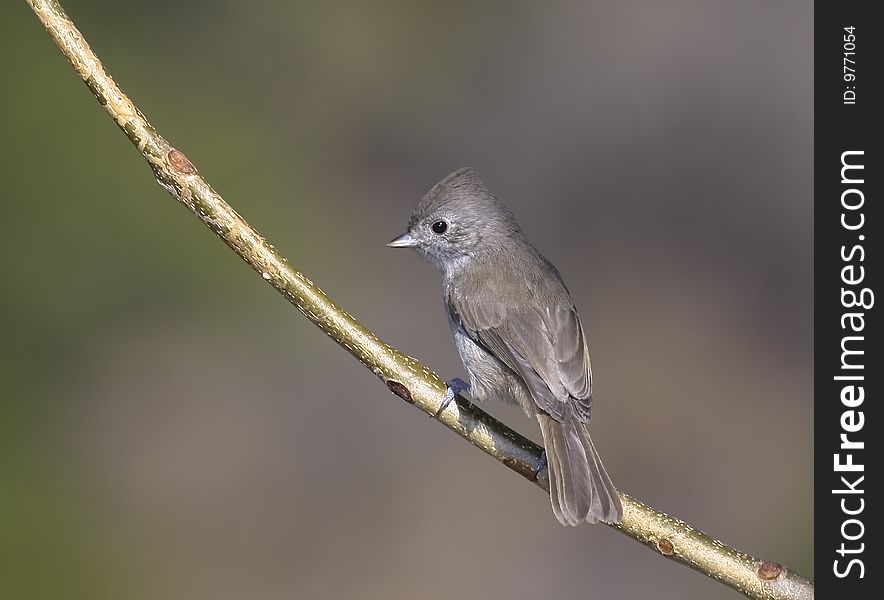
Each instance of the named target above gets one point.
<point>455,386</point>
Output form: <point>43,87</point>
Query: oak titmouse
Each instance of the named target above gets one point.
<point>518,333</point>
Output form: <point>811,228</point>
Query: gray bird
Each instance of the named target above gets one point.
<point>517,332</point>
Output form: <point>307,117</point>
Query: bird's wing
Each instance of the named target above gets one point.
<point>545,346</point>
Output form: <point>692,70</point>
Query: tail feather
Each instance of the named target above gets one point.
<point>555,481</point>
<point>579,487</point>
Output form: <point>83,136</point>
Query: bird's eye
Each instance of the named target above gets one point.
<point>440,227</point>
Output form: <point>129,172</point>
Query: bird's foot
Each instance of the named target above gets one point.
<point>458,385</point>
<point>455,386</point>
<point>541,464</point>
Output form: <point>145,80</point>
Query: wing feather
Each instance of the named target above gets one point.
<point>546,347</point>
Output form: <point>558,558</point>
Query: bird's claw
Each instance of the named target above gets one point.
<point>455,386</point>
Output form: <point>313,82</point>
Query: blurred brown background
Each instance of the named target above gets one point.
<point>171,428</point>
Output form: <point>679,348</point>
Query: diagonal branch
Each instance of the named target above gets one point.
<point>403,375</point>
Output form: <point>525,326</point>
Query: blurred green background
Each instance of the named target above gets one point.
<point>171,428</point>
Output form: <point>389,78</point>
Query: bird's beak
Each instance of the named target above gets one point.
<point>406,240</point>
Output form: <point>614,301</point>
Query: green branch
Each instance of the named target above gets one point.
<point>403,375</point>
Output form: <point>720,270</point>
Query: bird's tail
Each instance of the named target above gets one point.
<point>579,486</point>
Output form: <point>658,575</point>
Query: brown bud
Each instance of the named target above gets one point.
<point>520,467</point>
<point>180,163</point>
<point>769,570</point>
<point>665,547</point>
<point>400,390</point>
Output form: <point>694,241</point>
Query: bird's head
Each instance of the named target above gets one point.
<point>458,219</point>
